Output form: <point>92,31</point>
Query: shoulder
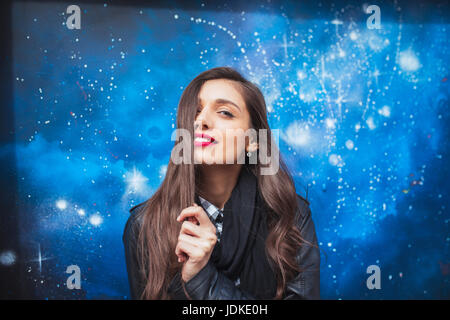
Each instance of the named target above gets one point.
<point>304,220</point>
<point>309,254</point>
<point>304,210</point>
<point>134,222</point>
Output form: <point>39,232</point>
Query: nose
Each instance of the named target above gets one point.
<point>202,120</point>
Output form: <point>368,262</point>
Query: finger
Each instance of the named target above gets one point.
<point>182,256</point>
<point>195,241</point>
<point>191,250</point>
<point>193,220</point>
<point>191,228</point>
<point>190,218</point>
<point>185,211</point>
<point>204,244</point>
<point>196,212</point>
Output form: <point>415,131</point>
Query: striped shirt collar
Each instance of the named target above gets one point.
<point>211,209</point>
<point>216,217</point>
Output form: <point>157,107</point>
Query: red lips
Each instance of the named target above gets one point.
<point>203,143</point>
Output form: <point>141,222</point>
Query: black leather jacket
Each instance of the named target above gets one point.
<point>210,284</point>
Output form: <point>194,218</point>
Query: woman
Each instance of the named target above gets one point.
<point>221,230</point>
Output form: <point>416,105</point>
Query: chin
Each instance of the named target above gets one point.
<point>202,160</point>
<point>206,161</point>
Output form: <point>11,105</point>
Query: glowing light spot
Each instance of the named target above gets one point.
<point>297,135</point>
<point>385,111</point>
<point>7,258</point>
<point>349,144</point>
<point>163,170</point>
<point>136,182</point>
<point>370,123</point>
<point>376,43</point>
<point>408,61</point>
<point>353,35</point>
<point>335,160</point>
<point>307,96</point>
<point>81,212</point>
<point>95,219</point>
<point>331,123</point>
<point>301,75</point>
<point>61,204</point>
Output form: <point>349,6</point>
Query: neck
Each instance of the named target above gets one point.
<point>216,182</point>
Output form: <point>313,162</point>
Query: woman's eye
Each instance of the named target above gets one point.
<point>228,114</point>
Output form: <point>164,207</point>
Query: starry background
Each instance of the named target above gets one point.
<point>362,113</point>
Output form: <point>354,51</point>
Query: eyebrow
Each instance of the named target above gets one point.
<point>223,101</point>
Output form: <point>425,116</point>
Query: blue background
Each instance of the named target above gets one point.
<point>363,118</point>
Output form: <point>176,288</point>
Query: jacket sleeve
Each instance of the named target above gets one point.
<point>306,285</point>
<point>135,276</point>
<point>211,284</point>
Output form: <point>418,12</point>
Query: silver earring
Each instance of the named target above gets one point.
<point>249,154</point>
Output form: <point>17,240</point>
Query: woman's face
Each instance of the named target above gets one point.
<point>221,113</point>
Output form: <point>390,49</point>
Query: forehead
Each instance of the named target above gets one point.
<point>221,89</point>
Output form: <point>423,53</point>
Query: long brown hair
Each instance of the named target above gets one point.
<point>159,230</point>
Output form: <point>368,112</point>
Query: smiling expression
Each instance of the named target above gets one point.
<point>221,111</point>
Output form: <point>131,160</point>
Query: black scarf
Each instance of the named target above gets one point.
<point>241,249</point>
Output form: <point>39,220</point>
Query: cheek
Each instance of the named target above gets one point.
<point>235,144</point>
